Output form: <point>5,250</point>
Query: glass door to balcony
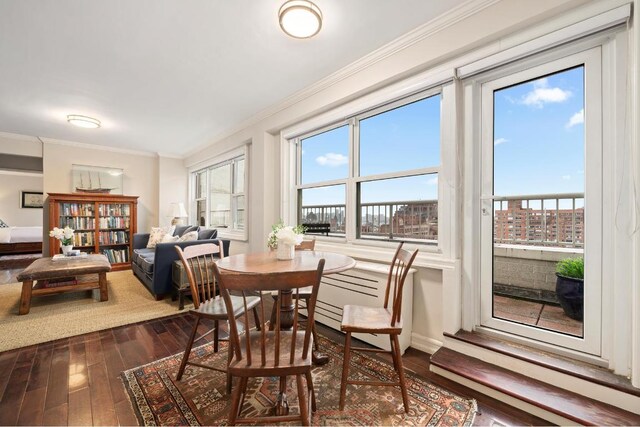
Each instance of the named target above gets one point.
<point>541,202</point>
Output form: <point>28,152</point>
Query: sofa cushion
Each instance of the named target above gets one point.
<point>207,234</point>
<point>169,239</point>
<point>146,264</point>
<point>157,233</point>
<point>188,237</point>
<point>141,252</point>
<point>180,229</point>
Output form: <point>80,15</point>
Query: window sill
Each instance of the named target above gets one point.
<point>383,253</point>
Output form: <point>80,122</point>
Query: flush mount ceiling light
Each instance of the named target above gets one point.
<point>300,19</point>
<point>83,121</point>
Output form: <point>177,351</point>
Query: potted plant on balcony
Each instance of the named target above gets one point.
<point>570,286</point>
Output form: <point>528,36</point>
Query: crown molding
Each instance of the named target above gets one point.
<point>97,147</point>
<point>414,36</point>
<point>170,155</point>
<point>20,173</point>
<point>19,137</point>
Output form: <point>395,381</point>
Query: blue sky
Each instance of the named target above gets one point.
<point>539,136</point>
<point>538,145</point>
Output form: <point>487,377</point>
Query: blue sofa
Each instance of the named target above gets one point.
<point>152,266</point>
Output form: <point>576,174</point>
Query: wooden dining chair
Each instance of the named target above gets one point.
<point>273,353</point>
<point>304,295</point>
<point>386,320</point>
<point>198,261</point>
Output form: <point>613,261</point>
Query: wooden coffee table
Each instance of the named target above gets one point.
<point>48,277</point>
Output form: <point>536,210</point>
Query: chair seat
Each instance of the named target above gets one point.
<point>215,307</point>
<point>357,318</point>
<point>299,365</point>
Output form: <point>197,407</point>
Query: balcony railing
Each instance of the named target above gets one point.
<point>540,220</point>
<point>535,220</point>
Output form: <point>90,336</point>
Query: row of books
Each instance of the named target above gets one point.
<point>114,209</point>
<point>113,237</point>
<point>114,222</point>
<point>76,209</point>
<point>116,255</point>
<point>83,239</point>
<point>56,283</point>
<point>78,223</point>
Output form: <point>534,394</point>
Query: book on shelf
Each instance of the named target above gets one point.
<point>114,209</point>
<point>76,209</point>
<point>114,237</point>
<point>116,256</point>
<point>56,283</point>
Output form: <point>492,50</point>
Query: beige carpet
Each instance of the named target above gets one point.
<point>65,315</point>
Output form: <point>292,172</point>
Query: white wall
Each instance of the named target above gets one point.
<point>11,212</point>
<point>140,174</point>
<point>21,145</point>
<point>480,31</point>
<point>172,185</point>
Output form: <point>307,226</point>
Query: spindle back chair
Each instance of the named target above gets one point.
<point>276,352</point>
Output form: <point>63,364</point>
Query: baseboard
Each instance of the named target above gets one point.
<point>423,343</point>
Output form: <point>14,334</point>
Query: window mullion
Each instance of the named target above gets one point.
<point>351,208</point>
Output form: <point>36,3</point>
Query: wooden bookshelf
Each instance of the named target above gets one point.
<point>104,224</point>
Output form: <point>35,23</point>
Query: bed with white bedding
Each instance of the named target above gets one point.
<point>20,240</point>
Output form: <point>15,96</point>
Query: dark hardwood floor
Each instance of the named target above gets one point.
<point>75,381</point>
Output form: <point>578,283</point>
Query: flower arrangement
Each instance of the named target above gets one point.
<point>65,235</point>
<point>289,235</point>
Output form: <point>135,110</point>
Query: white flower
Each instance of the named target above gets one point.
<point>287,236</point>
<point>68,232</point>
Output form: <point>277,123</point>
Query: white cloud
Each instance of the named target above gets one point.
<point>542,94</point>
<point>500,141</point>
<point>433,181</point>
<point>576,119</point>
<point>566,177</point>
<point>332,160</point>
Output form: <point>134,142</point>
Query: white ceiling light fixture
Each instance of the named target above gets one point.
<point>300,19</point>
<point>83,121</point>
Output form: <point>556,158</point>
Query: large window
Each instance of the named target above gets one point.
<point>375,175</point>
<point>219,195</point>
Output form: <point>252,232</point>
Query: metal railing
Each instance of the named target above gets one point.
<point>540,220</point>
<point>535,220</point>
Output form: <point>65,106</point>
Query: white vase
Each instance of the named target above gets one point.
<point>66,249</point>
<point>285,251</point>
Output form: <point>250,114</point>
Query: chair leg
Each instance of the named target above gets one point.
<point>314,408</point>
<point>216,336</point>
<point>187,351</point>
<point>345,369</point>
<point>256,318</point>
<point>302,402</point>
<point>243,392</point>
<point>314,334</point>
<point>235,403</point>
<point>400,369</point>
<point>272,319</point>
<point>229,357</point>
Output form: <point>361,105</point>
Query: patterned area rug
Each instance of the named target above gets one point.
<point>200,397</point>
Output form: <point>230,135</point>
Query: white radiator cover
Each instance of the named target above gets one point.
<point>365,284</point>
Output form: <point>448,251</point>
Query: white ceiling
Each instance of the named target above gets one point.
<point>170,75</point>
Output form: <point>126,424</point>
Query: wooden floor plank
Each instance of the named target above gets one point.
<point>7,361</point>
<point>113,362</point>
<point>126,415</point>
<point>80,408</point>
<point>39,377</point>
<point>78,375</point>
<point>58,384</point>
<point>16,387</point>
<point>32,409</point>
<point>56,416</point>
<point>93,348</point>
<point>102,405</point>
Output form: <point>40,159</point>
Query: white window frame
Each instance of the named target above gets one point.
<point>353,179</point>
<point>230,157</point>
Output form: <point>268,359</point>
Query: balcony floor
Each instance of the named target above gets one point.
<point>539,314</point>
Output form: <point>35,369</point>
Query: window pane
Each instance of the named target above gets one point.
<point>324,205</point>
<point>201,184</point>
<point>240,212</point>
<point>238,183</point>
<point>400,208</point>
<point>404,138</point>
<point>539,169</point>
<point>201,207</point>
<point>326,156</point>
<point>220,197</point>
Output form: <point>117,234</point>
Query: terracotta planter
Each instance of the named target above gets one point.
<point>570,293</point>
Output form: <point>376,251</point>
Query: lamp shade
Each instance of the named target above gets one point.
<point>178,210</point>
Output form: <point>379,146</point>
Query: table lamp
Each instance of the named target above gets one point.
<point>178,212</point>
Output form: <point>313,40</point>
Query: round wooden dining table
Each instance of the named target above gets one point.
<point>266,263</point>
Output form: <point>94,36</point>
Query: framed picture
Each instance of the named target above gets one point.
<point>96,179</point>
<point>31,199</point>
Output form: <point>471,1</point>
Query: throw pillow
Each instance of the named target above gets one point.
<point>188,237</point>
<point>168,238</point>
<point>195,228</point>
<point>157,233</point>
<point>207,234</point>
<point>179,231</point>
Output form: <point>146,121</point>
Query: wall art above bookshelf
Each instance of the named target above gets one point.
<point>104,223</point>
